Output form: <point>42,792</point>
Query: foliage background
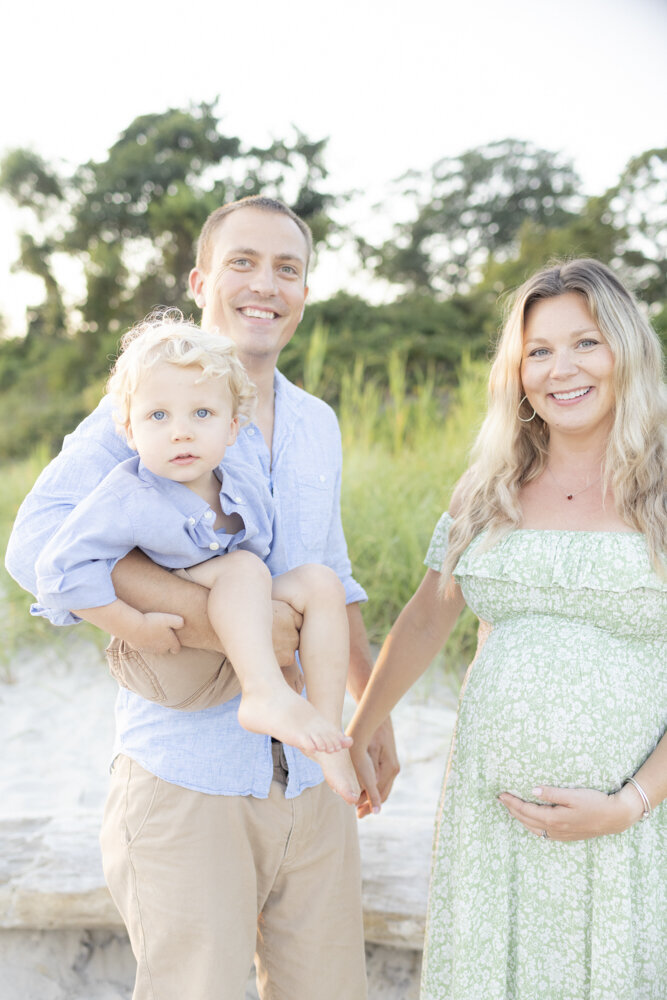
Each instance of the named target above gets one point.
<point>406,376</point>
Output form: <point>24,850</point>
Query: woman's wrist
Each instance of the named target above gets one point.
<point>641,791</point>
<point>360,737</point>
<point>631,804</point>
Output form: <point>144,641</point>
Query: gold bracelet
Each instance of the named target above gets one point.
<point>644,797</point>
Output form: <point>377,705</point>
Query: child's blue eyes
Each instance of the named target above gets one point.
<point>201,413</point>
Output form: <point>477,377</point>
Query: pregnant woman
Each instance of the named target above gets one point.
<point>550,857</point>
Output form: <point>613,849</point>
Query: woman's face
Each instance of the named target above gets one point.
<point>567,367</point>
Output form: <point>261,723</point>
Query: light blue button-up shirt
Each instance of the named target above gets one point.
<point>134,508</point>
<point>208,750</point>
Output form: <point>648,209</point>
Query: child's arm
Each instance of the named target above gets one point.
<point>74,567</point>
<point>153,631</point>
<point>88,455</point>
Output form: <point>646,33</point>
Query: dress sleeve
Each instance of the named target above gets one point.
<point>437,549</point>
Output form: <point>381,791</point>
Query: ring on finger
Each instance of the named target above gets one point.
<point>544,834</point>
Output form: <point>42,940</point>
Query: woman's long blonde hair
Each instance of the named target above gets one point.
<point>509,453</point>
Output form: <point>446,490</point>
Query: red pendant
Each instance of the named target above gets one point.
<point>570,496</point>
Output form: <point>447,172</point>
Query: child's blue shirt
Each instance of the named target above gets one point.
<point>208,750</point>
<point>134,508</point>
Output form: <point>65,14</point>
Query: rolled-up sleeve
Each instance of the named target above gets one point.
<point>74,569</point>
<point>88,454</point>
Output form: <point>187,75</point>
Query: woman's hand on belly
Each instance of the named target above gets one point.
<point>575,813</point>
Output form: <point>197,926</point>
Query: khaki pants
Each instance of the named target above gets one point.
<point>206,882</point>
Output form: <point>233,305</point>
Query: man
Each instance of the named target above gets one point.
<point>217,843</point>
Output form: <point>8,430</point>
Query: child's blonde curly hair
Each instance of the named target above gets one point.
<point>167,337</point>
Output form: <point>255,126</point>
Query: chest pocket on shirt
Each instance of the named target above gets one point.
<point>315,505</point>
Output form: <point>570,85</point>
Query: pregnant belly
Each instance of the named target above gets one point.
<point>554,702</point>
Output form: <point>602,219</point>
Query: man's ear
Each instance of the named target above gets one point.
<point>305,296</point>
<point>197,282</point>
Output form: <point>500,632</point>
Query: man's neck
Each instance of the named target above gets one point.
<point>263,377</point>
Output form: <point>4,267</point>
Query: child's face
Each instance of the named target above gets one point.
<point>181,427</point>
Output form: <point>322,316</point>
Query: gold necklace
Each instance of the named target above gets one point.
<point>570,495</point>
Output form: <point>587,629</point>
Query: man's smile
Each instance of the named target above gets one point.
<point>253,312</point>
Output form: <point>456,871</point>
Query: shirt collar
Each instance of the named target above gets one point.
<point>185,500</point>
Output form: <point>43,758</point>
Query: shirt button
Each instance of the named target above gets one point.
<point>250,431</point>
<point>322,478</point>
<point>191,520</point>
<point>214,546</point>
<point>238,499</point>
<point>208,515</point>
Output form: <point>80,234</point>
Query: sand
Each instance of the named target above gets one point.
<point>56,736</point>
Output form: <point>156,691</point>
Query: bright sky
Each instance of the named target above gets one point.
<point>395,85</point>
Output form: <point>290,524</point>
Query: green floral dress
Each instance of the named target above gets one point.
<point>569,689</point>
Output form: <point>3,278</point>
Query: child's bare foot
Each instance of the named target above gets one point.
<point>339,774</point>
<point>280,712</point>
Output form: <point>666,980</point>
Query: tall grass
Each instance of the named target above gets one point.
<point>403,454</point>
<point>402,458</point>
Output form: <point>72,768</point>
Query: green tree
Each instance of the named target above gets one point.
<point>589,234</point>
<point>637,208</point>
<point>428,334</point>
<point>470,207</point>
<point>626,227</point>
<point>131,219</point>
<point>129,222</point>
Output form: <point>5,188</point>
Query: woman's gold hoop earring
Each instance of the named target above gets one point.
<point>525,420</point>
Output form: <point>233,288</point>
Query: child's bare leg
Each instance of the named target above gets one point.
<point>240,611</point>
<point>324,650</point>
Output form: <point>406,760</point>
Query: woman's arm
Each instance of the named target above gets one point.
<point>417,635</point>
<point>582,813</point>
<point>382,747</point>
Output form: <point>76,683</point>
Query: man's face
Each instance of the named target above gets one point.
<point>254,290</point>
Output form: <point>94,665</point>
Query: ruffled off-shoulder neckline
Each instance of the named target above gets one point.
<point>615,561</point>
